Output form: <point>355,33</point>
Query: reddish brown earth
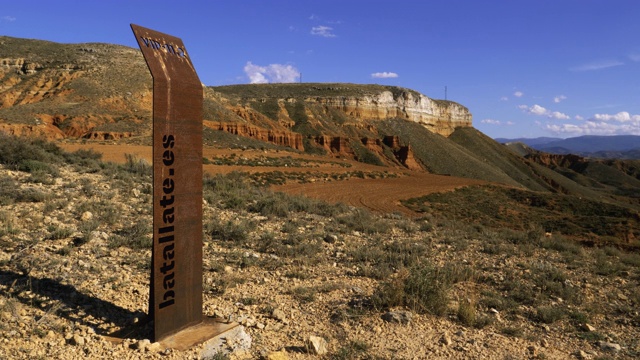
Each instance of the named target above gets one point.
<point>381,195</point>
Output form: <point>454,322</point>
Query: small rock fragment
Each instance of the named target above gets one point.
<point>142,344</point>
<point>317,345</point>
<point>581,355</point>
<point>234,340</point>
<point>544,343</point>
<point>330,238</point>
<point>86,216</point>
<point>279,315</point>
<point>588,328</point>
<point>77,340</point>
<point>609,346</point>
<point>399,317</point>
<point>154,347</point>
<point>446,339</point>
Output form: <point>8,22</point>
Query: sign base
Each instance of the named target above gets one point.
<point>183,340</point>
<point>196,334</point>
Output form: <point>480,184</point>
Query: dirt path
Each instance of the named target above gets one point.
<point>379,195</point>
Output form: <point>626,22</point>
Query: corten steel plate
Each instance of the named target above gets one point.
<point>175,301</point>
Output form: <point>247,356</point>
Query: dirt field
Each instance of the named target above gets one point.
<point>379,195</point>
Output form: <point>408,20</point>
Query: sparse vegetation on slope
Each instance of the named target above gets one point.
<point>74,267</point>
<point>499,207</point>
<point>302,90</point>
<point>442,156</point>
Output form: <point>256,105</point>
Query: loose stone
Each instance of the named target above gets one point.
<point>317,345</point>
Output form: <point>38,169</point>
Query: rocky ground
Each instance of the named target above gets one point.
<point>75,257</point>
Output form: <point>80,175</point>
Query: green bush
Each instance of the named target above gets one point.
<point>33,166</point>
<point>549,314</point>
<point>137,236</point>
<point>379,261</point>
<point>422,288</point>
<point>8,190</point>
<point>304,294</point>
<point>17,152</point>
<point>363,221</point>
<point>467,312</point>
<point>56,233</point>
<point>231,191</point>
<point>512,331</point>
<point>235,231</point>
<point>86,228</point>
<point>31,195</point>
<point>137,166</point>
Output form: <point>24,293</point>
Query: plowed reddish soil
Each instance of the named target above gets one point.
<point>379,195</point>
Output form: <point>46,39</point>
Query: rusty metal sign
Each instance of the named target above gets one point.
<point>175,301</point>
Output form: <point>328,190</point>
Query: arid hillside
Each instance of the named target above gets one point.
<point>370,217</point>
<point>83,95</point>
<point>453,283</point>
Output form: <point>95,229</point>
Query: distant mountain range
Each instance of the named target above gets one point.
<point>617,146</point>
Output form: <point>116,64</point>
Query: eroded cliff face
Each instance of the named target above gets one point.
<point>278,137</point>
<point>101,91</point>
<point>92,91</point>
<point>439,116</point>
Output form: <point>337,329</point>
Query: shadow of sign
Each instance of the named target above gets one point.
<point>74,305</point>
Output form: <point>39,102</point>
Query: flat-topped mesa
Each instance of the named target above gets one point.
<point>439,116</point>
<point>358,102</point>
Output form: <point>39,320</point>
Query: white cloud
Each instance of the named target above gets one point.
<point>518,94</point>
<point>273,73</point>
<point>384,75</point>
<point>634,57</point>
<point>598,65</point>
<point>538,110</point>
<point>621,123</point>
<point>496,122</point>
<point>558,115</point>
<point>622,116</point>
<point>324,31</point>
<point>559,98</point>
<point>541,111</point>
<point>504,98</point>
<point>594,128</point>
<point>579,118</point>
<point>7,18</point>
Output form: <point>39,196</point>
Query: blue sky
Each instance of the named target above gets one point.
<point>524,68</point>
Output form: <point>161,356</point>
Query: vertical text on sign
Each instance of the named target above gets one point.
<point>166,233</point>
<point>171,49</point>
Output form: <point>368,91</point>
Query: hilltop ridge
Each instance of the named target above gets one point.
<point>100,90</point>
